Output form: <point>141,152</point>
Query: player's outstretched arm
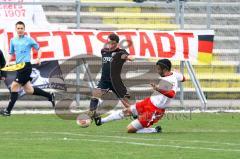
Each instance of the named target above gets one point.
<point>127,57</point>
<point>168,93</point>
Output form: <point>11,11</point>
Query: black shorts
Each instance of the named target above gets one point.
<point>121,92</point>
<point>23,75</point>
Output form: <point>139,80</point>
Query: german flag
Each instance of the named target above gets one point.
<point>205,48</point>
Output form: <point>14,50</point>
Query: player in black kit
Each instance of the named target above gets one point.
<point>2,64</point>
<point>113,59</point>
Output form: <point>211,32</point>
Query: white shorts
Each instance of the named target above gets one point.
<point>136,124</point>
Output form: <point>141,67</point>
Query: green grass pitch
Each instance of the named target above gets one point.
<point>204,136</point>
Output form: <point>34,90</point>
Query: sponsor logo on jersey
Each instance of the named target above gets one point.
<point>107,59</point>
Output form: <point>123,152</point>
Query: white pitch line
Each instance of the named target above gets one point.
<point>135,138</point>
<point>130,143</point>
<point>158,145</point>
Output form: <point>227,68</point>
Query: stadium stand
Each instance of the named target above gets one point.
<point>220,80</point>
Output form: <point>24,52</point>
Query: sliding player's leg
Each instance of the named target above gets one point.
<point>141,125</point>
<point>146,118</point>
<point>119,114</point>
<point>116,115</point>
<point>136,127</point>
<point>147,114</point>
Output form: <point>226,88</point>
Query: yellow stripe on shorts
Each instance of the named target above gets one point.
<point>14,67</point>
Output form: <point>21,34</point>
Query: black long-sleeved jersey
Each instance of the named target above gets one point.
<point>2,64</point>
<point>109,58</point>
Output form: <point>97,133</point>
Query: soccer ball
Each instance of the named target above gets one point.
<point>83,121</point>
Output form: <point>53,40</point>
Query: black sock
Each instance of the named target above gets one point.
<point>93,104</point>
<point>13,99</point>
<point>40,92</point>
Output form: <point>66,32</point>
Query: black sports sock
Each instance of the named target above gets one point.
<point>40,92</point>
<point>13,99</point>
<point>93,104</point>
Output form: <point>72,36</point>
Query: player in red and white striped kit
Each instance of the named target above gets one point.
<point>151,109</point>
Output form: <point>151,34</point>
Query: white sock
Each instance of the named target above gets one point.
<point>117,115</point>
<point>146,130</point>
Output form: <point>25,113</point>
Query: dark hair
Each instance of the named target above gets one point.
<point>20,23</point>
<point>164,64</point>
<point>114,37</point>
